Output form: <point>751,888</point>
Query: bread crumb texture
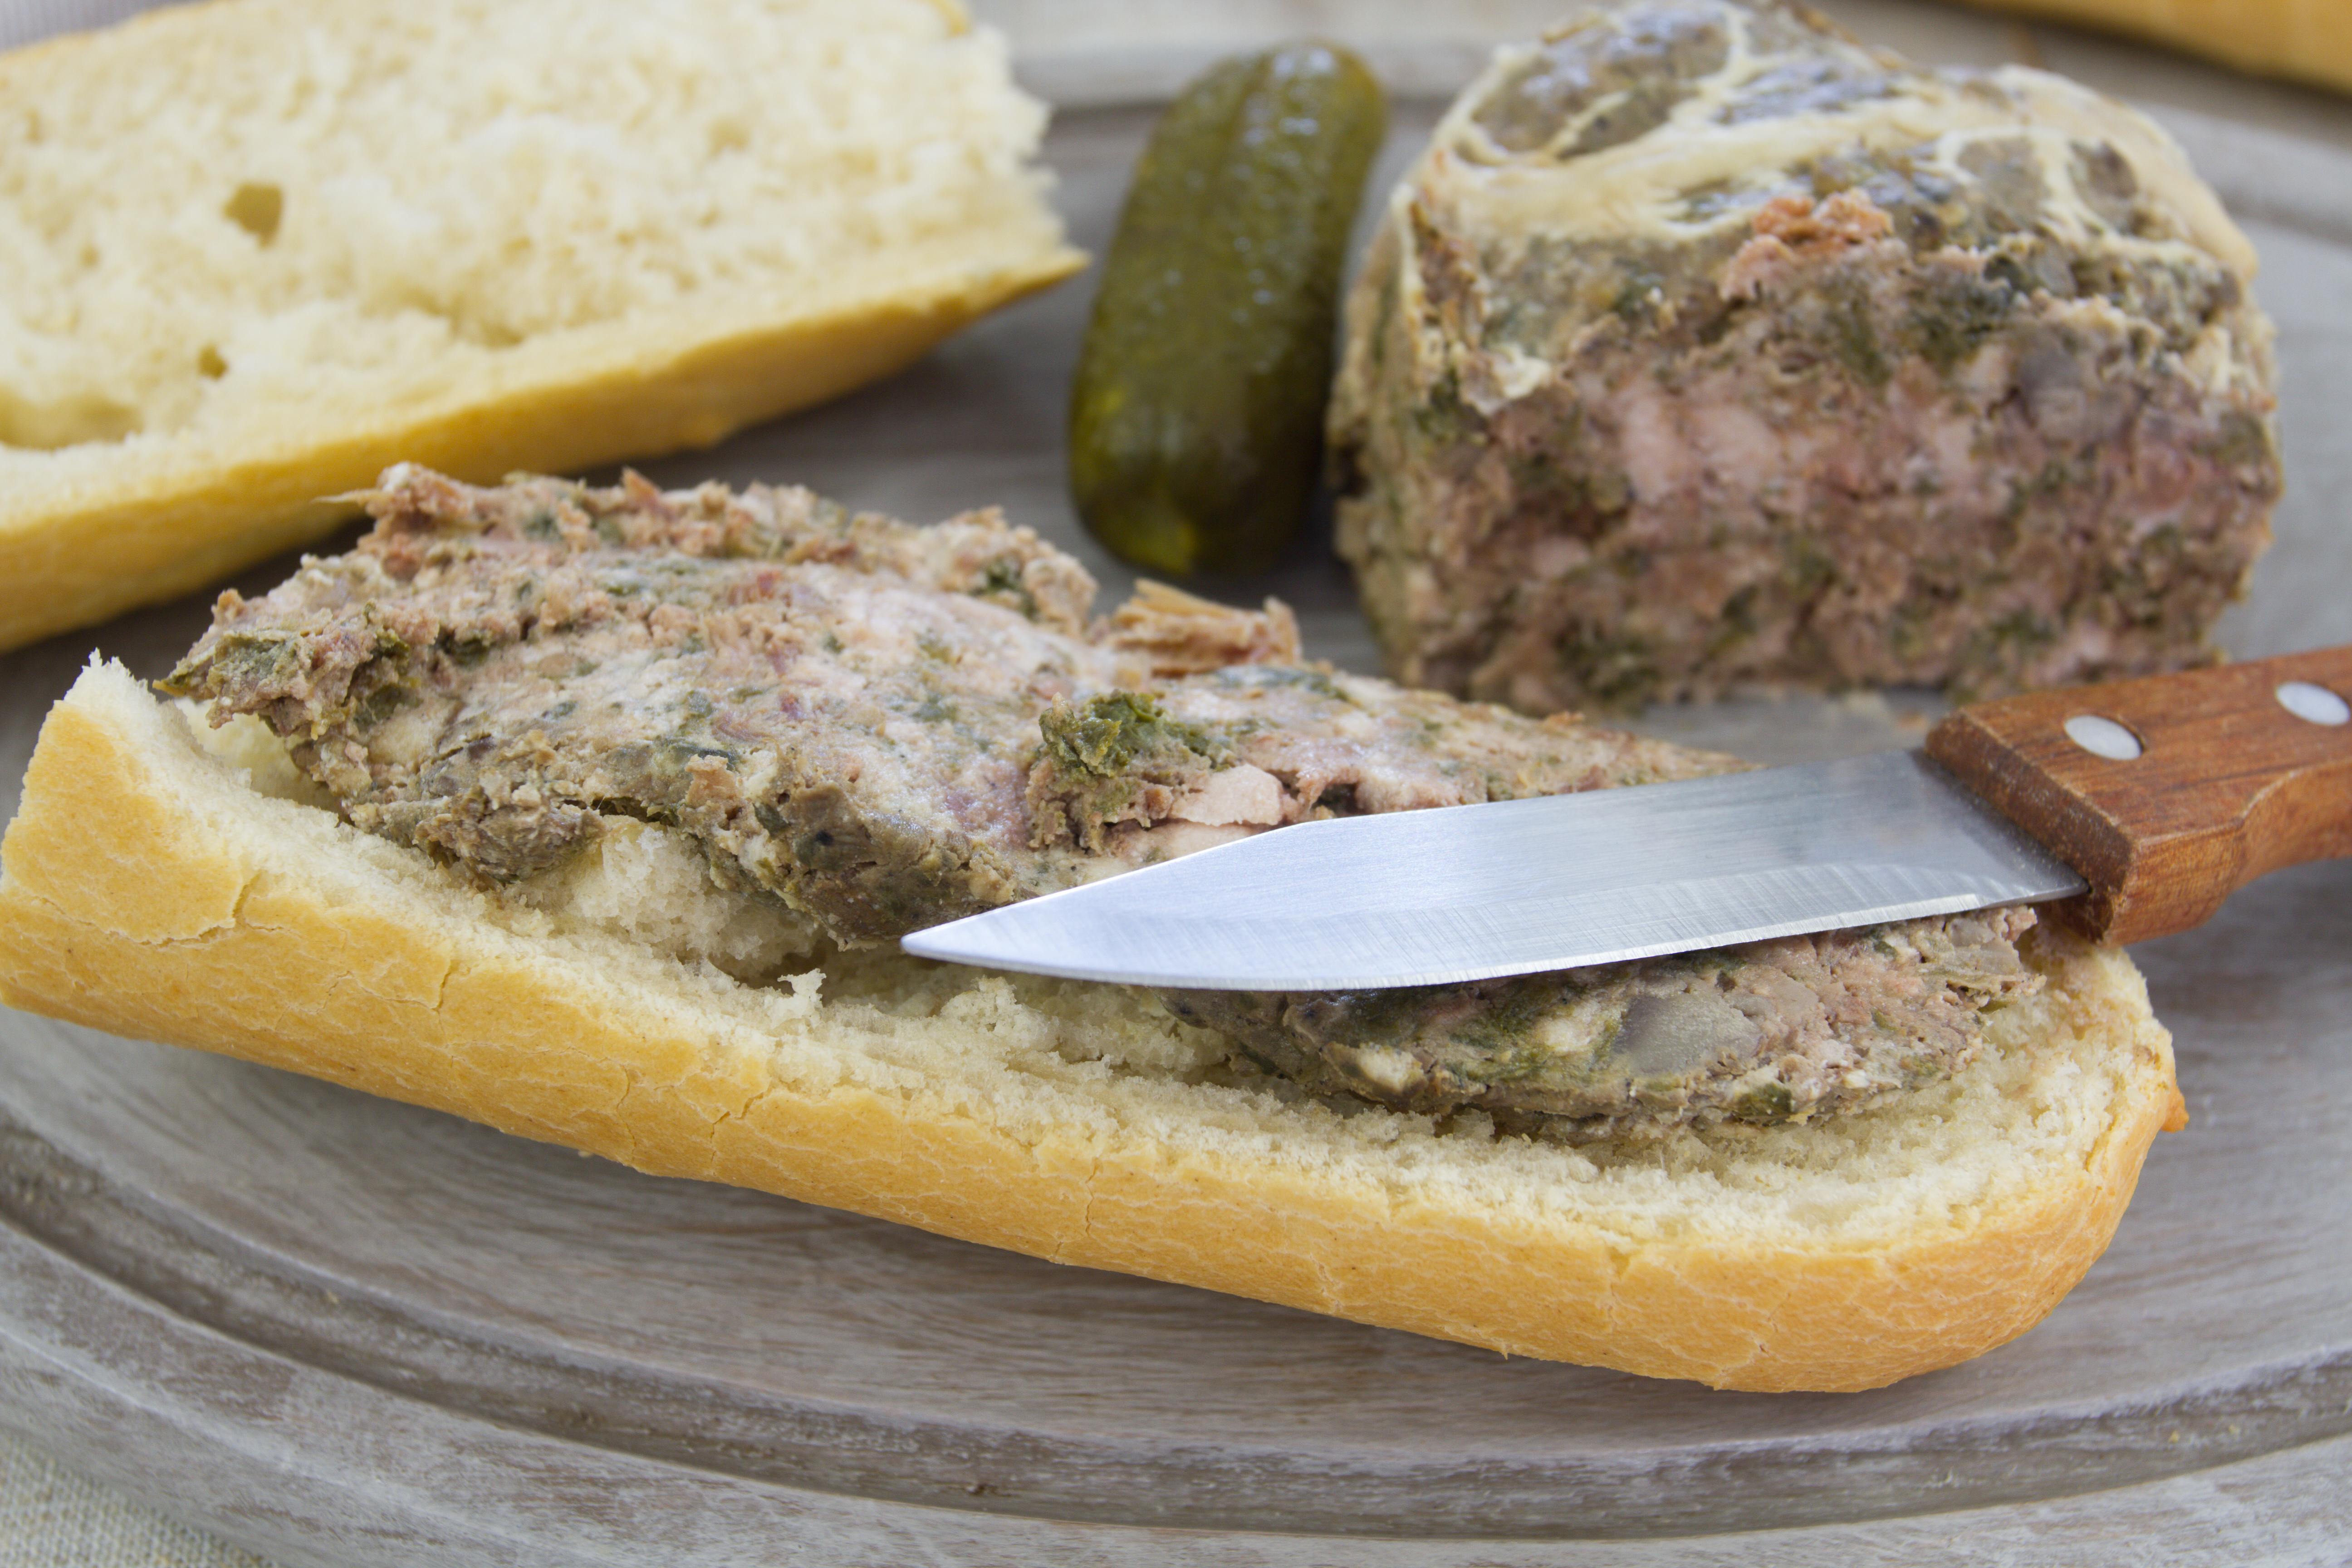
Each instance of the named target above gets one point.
<point>257,250</point>
<point>1076,1122</point>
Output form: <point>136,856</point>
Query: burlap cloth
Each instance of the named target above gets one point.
<point>52,1518</point>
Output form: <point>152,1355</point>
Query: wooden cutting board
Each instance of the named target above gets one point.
<point>341,1331</point>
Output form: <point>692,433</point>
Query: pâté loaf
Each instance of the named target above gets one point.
<point>1705,348</point>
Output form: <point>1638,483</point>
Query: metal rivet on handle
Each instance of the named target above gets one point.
<point>2316,703</point>
<point>2102,737</point>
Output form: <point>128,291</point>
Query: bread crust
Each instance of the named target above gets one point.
<point>205,915</point>
<point>168,529</point>
<point>2307,41</point>
<point>172,516</point>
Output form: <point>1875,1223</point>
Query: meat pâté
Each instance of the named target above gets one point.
<point>871,727</point>
<point>1707,349</point>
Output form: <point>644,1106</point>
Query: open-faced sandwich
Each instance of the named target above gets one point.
<point>595,814</point>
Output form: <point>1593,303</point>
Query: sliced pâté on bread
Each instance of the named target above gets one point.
<point>258,249</point>
<point>163,879</point>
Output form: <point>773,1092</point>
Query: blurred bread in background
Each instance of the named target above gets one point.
<point>2308,40</point>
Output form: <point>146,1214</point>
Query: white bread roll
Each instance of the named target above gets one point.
<point>160,882</point>
<point>258,249</point>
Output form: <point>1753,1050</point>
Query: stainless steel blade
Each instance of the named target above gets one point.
<point>1423,898</point>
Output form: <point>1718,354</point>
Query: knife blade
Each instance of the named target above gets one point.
<point>2139,805</point>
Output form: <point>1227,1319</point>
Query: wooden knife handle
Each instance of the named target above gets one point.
<point>2230,783</point>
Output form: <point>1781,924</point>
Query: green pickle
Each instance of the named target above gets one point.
<point>1196,418</point>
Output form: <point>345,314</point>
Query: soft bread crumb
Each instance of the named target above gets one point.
<point>250,746</point>
<point>258,250</point>
<point>393,196</point>
<point>651,884</point>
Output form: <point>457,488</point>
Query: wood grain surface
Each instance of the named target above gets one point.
<point>341,1331</point>
<point>2228,784</point>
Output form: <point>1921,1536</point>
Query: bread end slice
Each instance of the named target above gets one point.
<point>149,889</point>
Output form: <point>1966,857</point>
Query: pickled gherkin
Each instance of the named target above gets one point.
<point>1197,414</point>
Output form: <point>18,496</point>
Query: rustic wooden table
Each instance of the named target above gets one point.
<point>341,1331</point>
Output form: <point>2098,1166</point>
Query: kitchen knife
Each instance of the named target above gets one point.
<point>2137,807</point>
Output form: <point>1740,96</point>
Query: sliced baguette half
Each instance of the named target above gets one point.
<point>258,249</point>
<point>155,886</point>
